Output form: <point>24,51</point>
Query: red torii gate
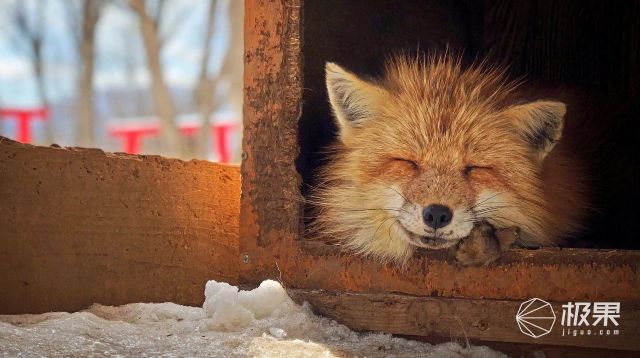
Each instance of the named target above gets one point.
<point>133,133</point>
<point>24,116</point>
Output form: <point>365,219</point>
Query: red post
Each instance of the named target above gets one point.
<point>24,118</point>
<point>221,132</point>
<point>133,134</point>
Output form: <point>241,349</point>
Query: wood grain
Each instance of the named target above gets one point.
<point>81,226</point>
<point>456,319</point>
<point>271,210</point>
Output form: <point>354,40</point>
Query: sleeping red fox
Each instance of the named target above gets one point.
<point>431,150</point>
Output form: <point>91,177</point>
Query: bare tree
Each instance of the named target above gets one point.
<point>234,64</point>
<point>153,41</point>
<point>205,88</point>
<point>84,16</point>
<point>207,96</point>
<point>29,23</point>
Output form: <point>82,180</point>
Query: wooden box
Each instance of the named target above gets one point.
<point>287,121</point>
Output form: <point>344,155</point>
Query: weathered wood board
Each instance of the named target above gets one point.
<point>271,210</point>
<point>80,226</point>
<point>488,320</point>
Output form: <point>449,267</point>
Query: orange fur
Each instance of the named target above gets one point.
<point>432,132</point>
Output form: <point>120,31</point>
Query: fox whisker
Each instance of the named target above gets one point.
<point>382,223</point>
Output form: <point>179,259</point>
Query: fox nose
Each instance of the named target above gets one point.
<point>437,216</point>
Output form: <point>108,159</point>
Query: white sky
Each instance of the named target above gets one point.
<point>120,54</point>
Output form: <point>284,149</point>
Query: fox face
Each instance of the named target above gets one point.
<point>429,150</point>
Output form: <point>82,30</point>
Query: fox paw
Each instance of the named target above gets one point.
<point>484,245</point>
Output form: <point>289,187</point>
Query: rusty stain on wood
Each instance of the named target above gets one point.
<point>79,226</point>
<point>270,215</point>
<point>490,320</point>
<point>552,274</point>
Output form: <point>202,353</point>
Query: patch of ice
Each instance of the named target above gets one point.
<point>265,299</point>
<point>263,322</point>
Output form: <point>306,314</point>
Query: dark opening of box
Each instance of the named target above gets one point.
<point>589,45</point>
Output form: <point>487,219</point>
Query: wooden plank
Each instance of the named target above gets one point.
<point>79,226</point>
<point>483,320</point>
<point>551,274</point>
<point>271,210</point>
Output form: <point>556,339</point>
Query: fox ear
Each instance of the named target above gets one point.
<point>540,123</point>
<point>352,99</point>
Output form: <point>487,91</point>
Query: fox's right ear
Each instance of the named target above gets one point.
<point>540,124</point>
<point>353,100</point>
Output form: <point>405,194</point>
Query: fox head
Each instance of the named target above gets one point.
<point>427,151</point>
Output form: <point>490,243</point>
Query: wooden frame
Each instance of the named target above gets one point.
<point>271,227</point>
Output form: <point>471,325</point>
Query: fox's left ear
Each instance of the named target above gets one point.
<point>540,124</point>
<point>354,101</point>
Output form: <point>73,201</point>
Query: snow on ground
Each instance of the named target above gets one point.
<point>263,322</point>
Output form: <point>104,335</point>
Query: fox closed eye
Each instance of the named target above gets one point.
<point>470,168</point>
<point>408,162</point>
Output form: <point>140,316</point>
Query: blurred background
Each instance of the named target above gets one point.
<point>137,76</point>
